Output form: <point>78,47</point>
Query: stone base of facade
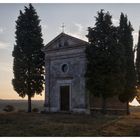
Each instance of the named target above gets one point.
<point>75,110</point>
<point>81,110</point>
<point>87,111</point>
<point>51,109</point>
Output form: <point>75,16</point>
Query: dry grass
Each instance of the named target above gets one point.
<point>125,126</point>
<point>35,124</point>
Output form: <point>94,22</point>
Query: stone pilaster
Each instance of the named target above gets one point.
<point>47,84</point>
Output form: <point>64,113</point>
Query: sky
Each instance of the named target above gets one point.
<point>76,18</point>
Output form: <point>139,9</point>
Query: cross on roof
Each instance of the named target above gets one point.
<point>63,27</point>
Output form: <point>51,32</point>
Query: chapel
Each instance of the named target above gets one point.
<point>65,67</point>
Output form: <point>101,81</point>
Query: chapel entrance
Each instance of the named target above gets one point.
<point>64,98</point>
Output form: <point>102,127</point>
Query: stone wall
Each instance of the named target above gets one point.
<point>74,77</point>
<point>113,105</point>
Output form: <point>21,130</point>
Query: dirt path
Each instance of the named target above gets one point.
<point>124,126</point>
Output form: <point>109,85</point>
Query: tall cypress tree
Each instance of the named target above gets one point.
<point>138,66</point>
<point>138,60</point>
<point>28,64</point>
<point>126,40</point>
<point>103,73</point>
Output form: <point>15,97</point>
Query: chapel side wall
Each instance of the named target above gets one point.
<point>111,103</point>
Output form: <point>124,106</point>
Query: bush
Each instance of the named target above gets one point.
<point>9,108</point>
<point>35,110</point>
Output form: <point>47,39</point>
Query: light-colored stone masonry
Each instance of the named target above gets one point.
<point>73,56</point>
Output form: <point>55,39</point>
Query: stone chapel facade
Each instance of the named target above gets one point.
<point>65,65</point>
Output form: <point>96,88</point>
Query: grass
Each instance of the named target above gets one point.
<point>56,124</point>
<point>125,126</point>
<point>35,124</point>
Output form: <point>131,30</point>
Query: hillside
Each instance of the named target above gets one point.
<point>21,104</point>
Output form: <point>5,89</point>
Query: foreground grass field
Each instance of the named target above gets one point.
<point>35,124</point>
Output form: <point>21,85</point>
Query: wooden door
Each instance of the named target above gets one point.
<point>64,98</point>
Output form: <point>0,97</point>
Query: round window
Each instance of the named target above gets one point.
<point>64,68</point>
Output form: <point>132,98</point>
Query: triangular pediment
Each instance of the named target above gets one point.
<point>64,41</point>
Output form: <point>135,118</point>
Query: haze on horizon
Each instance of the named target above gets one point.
<point>76,17</point>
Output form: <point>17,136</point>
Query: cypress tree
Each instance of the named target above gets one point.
<point>28,63</point>
<point>103,73</point>
<point>138,60</point>
<point>126,40</point>
<point>138,67</point>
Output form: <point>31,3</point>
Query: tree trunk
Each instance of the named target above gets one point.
<point>103,105</point>
<point>29,104</point>
<point>127,107</point>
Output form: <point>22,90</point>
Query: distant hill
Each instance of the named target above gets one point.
<point>21,104</point>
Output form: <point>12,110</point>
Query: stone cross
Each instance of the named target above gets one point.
<point>63,27</point>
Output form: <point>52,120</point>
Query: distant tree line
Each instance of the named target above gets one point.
<point>110,60</point>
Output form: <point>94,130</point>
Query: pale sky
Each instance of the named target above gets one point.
<point>76,17</point>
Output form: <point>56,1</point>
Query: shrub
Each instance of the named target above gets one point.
<point>35,110</point>
<point>9,108</point>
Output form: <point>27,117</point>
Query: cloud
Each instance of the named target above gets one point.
<point>1,30</point>
<point>77,30</point>
<point>80,36</point>
<point>79,27</point>
<point>115,22</point>
<point>4,45</point>
<point>44,26</point>
<point>135,36</point>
